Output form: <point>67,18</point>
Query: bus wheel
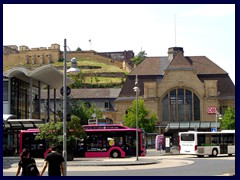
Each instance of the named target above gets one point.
<point>115,154</point>
<point>214,152</point>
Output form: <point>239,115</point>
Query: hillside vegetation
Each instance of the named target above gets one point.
<point>93,73</point>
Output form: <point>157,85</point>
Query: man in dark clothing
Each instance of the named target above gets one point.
<point>55,163</point>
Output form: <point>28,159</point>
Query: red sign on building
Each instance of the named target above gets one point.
<point>212,110</point>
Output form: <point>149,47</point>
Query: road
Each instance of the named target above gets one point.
<point>201,167</point>
<point>169,165</point>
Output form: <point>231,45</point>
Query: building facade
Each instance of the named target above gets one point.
<point>180,90</point>
<point>102,98</point>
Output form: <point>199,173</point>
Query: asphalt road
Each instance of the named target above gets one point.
<point>169,165</point>
<point>201,167</point>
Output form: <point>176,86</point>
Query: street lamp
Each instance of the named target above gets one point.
<point>218,115</point>
<point>72,69</point>
<point>136,89</point>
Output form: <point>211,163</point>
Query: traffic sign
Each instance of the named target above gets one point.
<point>213,129</point>
<point>68,91</point>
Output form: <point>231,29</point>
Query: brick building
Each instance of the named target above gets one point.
<point>179,89</point>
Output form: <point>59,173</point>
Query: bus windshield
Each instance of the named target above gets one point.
<point>187,137</point>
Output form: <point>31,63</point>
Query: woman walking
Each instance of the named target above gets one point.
<point>27,164</point>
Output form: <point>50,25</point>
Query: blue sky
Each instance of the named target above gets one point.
<point>204,29</point>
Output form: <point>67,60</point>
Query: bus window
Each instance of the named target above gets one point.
<point>201,139</point>
<point>187,137</point>
<point>208,139</point>
<point>230,140</point>
<point>215,139</point>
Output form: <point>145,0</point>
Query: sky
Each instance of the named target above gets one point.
<point>201,29</point>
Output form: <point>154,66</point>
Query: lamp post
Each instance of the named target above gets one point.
<point>65,108</point>
<point>216,118</point>
<point>136,89</point>
<point>72,69</point>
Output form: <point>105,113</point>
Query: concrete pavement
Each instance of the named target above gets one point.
<point>153,159</point>
<point>150,158</point>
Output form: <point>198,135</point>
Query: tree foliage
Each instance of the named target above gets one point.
<point>146,120</point>
<point>84,111</point>
<point>53,132</point>
<point>78,49</point>
<point>228,120</point>
<point>78,80</point>
<point>139,58</point>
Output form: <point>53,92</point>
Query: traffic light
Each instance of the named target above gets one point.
<point>68,118</point>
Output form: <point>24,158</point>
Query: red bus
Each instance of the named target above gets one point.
<point>27,140</point>
<point>109,140</point>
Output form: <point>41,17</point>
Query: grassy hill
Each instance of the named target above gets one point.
<point>93,73</point>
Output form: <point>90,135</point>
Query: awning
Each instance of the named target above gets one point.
<point>21,123</point>
<point>185,126</point>
<point>47,74</point>
<point>8,116</point>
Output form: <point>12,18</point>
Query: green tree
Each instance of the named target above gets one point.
<point>228,120</point>
<point>84,111</point>
<point>146,120</point>
<point>139,58</point>
<point>53,132</point>
<point>78,49</point>
<point>78,80</point>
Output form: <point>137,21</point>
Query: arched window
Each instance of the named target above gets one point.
<point>180,105</point>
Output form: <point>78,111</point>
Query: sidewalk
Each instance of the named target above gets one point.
<point>11,162</point>
<point>153,159</point>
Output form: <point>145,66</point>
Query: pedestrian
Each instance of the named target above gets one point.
<point>27,164</point>
<point>55,163</point>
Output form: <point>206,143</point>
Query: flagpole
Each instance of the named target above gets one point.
<point>90,44</point>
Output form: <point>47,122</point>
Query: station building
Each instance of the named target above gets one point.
<point>185,92</point>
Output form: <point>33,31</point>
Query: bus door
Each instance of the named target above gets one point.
<point>224,144</point>
<point>129,144</point>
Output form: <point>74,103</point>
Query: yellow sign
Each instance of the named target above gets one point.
<point>111,142</point>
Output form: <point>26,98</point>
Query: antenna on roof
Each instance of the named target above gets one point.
<point>175,31</point>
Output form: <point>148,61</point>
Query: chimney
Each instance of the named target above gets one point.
<point>172,51</point>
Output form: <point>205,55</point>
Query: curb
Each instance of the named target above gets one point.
<point>115,163</point>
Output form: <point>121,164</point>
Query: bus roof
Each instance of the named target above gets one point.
<point>106,126</point>
<point>30,130</point>
<point>208,132</point>
<point>112,130</point>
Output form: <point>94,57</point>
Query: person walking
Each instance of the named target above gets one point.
<point>55,163</point>
<point>27,164</point>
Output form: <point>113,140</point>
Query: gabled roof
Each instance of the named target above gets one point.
<point>203,65</point>
<point>157,65</point>
<point>180,62</point>
<point>46,74</point>
<point>127,89</point>
<point>225,85</point>
<point>151,66</point>
<point>152,69</point>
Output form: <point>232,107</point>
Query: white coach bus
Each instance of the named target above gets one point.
<point>207,143</point>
